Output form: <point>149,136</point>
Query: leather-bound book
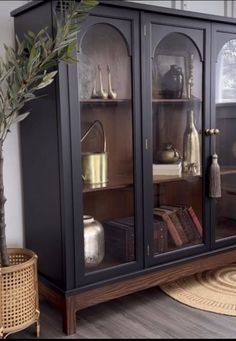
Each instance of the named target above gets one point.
<point>170,225</point>
<point>175,219</point>
<point>187,222</point>
<point>196,221</point>
<point>160,235</point>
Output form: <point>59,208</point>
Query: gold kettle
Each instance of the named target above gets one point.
<point>169,154</point>
<point>95,165</point>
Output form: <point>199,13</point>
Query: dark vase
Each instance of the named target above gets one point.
<point>173,82</point>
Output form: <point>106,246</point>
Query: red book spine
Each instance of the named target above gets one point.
<point>196,221</point>
<point>171,227</point>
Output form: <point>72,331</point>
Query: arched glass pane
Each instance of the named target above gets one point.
<point>226,73</point>
<point>226,140</point>
<point>177,143</point>
<point>107,148</point>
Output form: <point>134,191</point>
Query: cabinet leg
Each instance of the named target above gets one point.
<point>69,318</point>
<point>37,329</point>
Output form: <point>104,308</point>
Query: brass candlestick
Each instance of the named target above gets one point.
<point>190,79</point>
<point>101,93</point>
<point>111,93</point>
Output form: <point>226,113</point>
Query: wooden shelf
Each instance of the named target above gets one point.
<point>184,246</point>
<point>159,179</point>
<point>226,227</point>
<point>118,182</point>
<point>175,100</point>
<point>107,263</point>
<point>105,101</point>
<point>122,182</point>
<point>228,170</point>
<point>226,104</point>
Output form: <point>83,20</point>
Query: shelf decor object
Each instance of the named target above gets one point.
<point>169,154</point>
<point>93,242</point>
<point>101,93</point>
<point>190,78</point>
<point>111,93</point>
<point>191,158</point>
<point>173,82</point>
<point>95,165</point>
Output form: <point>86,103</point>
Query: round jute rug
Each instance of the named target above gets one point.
<point>213,291</point>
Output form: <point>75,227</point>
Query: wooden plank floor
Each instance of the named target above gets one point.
<point>149,314</point>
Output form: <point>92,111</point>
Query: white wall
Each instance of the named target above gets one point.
<point>208,7</point>
<point>12,176</point>
<point>217,7</point>
<point>163,3</point>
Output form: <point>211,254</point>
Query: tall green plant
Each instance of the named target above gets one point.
<point>28,68</point>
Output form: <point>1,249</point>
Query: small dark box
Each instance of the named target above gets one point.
<point>119,239</point>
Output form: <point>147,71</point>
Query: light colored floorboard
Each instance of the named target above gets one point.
<point>149,314</point>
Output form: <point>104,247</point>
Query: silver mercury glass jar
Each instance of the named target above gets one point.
<point>94,245</point>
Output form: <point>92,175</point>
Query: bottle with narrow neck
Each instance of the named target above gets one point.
<point>191,147</point>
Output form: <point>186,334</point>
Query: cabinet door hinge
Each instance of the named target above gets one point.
<point>148,250</point>
<point>146,144</point>
<point>145,30</point>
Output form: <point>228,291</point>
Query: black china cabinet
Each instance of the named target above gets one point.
<point>116,156</point>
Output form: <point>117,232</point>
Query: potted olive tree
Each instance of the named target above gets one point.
<point>31,66</point>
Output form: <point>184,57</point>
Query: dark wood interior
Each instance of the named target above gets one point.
<point>117,125</point>
<point>169,124</point>
<point>112,204</point>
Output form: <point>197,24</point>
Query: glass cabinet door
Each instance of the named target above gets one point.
<point>176,156</point>
<point>225,142</point>
<point>108,148</point>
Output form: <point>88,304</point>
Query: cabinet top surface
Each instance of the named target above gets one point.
<point>138,6</point>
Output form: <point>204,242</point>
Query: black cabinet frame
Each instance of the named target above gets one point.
<point>51,163</point>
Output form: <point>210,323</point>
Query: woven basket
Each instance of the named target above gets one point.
<point>19,293</point>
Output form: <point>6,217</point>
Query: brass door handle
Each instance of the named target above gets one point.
<point>211,132</point>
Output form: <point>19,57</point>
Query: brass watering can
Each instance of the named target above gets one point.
<point>95,165</point>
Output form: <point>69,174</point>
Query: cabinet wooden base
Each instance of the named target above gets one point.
<point>69,305</point>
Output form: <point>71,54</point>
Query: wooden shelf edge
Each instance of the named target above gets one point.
<point>225,171</point>
<point>164,178</point>
<point>129,183</point>
<point>175,100</point>
<point>119,183</point>
<point>104,101</point>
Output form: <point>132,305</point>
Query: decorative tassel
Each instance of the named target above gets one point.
<point>215,179</point>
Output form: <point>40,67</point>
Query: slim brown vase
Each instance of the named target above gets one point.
<point>19,304</point>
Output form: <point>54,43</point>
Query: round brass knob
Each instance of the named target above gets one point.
<point>216,131</point>
<point>210,132</point>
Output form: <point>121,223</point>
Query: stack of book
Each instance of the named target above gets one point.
<point>171,169</point>
<point>181,223</point>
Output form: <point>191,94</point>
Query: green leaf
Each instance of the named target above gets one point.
<point>43,84</point>
<point>31,66</point>
<point>31,34</point>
